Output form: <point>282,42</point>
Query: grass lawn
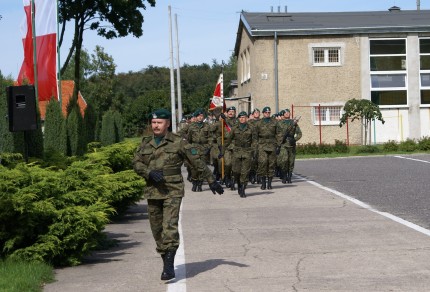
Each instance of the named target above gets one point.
<point>18,276</point>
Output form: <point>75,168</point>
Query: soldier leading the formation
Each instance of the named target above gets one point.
<point>158,160</point>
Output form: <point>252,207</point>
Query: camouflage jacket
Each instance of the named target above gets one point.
<point>198,135</point>
<point>266,131</point>
<point>243,139</point>
<point>168,156</point>
<point>288,132</point>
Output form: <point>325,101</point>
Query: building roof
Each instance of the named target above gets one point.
<point>332,23</point>
<point>67,87</point>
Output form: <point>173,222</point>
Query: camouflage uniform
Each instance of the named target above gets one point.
<point>215,141</point>
<point>228,155</point>
<point>266,136</point>
<point>242,138</point>
<point>198,136</point>
<point>164,198</point>
<point>288,133</point>
<point>183,132</point>
<point>254,164</point>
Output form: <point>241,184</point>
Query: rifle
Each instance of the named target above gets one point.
<point>291,129</point>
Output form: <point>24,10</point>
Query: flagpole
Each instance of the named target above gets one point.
<point>33,31</point>
<point>59,91</point>
<point>172,77</point>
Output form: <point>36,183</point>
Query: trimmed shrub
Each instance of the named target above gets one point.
<point>75,133</point>
<point>390,146</point>
<point>55,138</point>
<point>340,147</point>
<point>408,145</point>
<point>368,149</point>
<point>424,143</point>
<point>108,131</point>
<point>90,123</point>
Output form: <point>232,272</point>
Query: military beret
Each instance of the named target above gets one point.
<point>199,112</point>
<point>232,108</point>
<point>255,110</point>
<point>287,110</point>
<point>161,114</point>
<point>241,114</point>
<point>266,109</point>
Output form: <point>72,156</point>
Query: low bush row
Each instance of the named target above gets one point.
<point>57,215</point>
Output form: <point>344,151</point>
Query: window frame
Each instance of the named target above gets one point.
<point>313,47</point>
<point>422,71</point>
<point>327,106</point>
<point>403,72</point>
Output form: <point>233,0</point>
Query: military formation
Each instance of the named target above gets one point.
<point>243,148</point>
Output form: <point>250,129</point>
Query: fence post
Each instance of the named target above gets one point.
<point>319,121</point>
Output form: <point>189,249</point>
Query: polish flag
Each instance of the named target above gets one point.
<point>45,20</point>
<point>218,99</point>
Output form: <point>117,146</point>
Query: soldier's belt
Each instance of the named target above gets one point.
<point>266,140</point>
<point>172,171</point>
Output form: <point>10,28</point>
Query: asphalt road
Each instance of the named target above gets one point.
<point>397,184</point>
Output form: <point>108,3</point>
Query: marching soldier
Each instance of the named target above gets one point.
<point>198,136</point>
<point>267,144</point>
<point>183,132</point>
<point>158,160</point>
<point>289,133</point>
<point>231,121</point>
<point>242,137</point>
<point>254,164</point>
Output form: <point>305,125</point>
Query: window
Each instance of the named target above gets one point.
<point>425,70</point>
<point>330,115</point>
<point>246,66</point>
<point>388,71</point>
<point>323,56</point>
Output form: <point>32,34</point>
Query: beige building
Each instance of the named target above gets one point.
<point>312,63</point>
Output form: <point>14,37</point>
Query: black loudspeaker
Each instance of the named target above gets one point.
<point>21,108</point>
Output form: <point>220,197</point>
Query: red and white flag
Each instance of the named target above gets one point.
<point>218,98</point>
<point>45,20</point>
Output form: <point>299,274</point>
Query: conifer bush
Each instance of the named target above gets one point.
<point>108,131</point>
<point>55,138</point>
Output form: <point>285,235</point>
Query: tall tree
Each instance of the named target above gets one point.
<point>110,18</point>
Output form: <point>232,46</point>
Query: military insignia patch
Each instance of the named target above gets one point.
<point>154,116</point>
<point>194,151</point>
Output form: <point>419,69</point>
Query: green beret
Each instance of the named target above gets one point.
<point>161,114</point>
<point>287,110</point>
<point>266,109</point>
<point>241,114</point>
<point>199,112</point>
<point>232,108</point>
<point>255,110</point>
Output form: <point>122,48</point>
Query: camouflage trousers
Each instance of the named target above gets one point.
<point>242,166</point>
<point>196,174</point>
<point>266,163</point>
<point>228,162</point>
<point>286,158</point>
<point>164,218</point>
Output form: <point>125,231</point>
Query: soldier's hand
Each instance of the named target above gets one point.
<point>156,176</point>
<point>216,188</point>
<point>222,116</point>
<point>278,150</point>
<point>220,156</point>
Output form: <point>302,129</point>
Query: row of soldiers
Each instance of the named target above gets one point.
<point>243,148</point>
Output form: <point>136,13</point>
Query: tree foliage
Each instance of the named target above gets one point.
<point>361,109</point>
<point>110,18</point>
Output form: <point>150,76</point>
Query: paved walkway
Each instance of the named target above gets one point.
<point>296,237</point>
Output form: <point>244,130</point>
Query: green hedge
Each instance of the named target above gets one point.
<point>58,215</point>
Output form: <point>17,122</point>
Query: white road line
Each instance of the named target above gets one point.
<point>180,270</point>
<point>368,207</point>
<point>402,157</point>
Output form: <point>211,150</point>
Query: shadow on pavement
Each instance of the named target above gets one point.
<point>193,269</point>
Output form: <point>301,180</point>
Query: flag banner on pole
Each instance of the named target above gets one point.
<point>46,47</point>
<point>218,99</point>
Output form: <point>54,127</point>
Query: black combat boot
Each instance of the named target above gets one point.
<point>233,184</point>
<point>258,179</point>
<point>269,183</point>
<point>239,188</point>
<point>253,177</point>
<point>284,177</point>
<point>194,188</point>
<point>199,186</point>
<point>227,181</point>
<point>263,183</point>
<point>243,195</point>
<point>169,265</point>
<point>289,177</point>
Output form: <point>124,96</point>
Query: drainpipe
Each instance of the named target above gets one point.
<point>275,53</point>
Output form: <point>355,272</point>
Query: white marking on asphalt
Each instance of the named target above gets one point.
<point>179,285</point>
<point>402,157</point>
<point>368,207</point>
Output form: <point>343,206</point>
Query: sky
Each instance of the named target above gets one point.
<point>207,30</point>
